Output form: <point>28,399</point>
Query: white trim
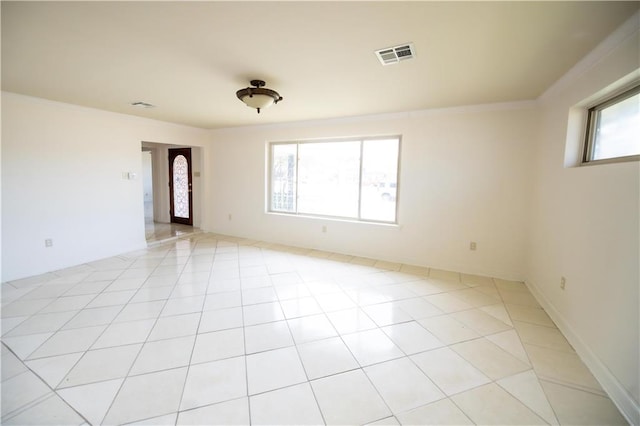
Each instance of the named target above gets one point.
<point>628,406</point>
<point>609,44</point>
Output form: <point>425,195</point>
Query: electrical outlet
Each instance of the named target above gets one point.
<point>563,282</point>
<point>48,242</point>
<point>473,246</point>
<point>230,216</point>
<point>324,228</point>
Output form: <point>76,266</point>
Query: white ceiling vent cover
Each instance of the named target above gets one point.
<point>393,55</point>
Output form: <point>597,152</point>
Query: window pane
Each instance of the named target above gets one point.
<point>328,178</point>
<point>283,178</point>
<point>618,130</point>
<point>379,180</point>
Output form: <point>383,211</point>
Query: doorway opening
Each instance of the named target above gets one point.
<point>170,191</point>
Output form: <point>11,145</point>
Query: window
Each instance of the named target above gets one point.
<point>613,129</point>
<point>355,178</point>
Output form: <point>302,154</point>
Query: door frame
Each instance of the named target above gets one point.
<point>173,153</point>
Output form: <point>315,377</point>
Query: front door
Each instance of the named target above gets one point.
<point>180,198</point>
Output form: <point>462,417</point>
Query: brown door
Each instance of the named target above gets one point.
<point>180,196</point>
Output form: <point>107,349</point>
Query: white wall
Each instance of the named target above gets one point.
<point>147,176</point>
<point>464,177</point>
<point>62,171</point>
<point>585,227</point>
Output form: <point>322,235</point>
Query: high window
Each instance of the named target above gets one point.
<point>352,179</point>
<point>613,129</point>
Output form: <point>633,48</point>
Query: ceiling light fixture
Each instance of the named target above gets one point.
<point>258,97</point>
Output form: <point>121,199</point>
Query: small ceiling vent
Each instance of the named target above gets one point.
<point>140,104</point>
<point>393,55</point>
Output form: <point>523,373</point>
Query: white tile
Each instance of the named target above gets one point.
<point>530,315</point>
<point>166,420</point>
<point>510,342</point>
<point>402,385</point>
<point>447,303</point>
<point>442,412</point>
<point>490,404</point>
<point>116,298</point>
<point>387,421</point>
<point>481,322</point>
<point>562,367</point>
<point>184,305</point>
<point>349,398</point>
<point>274,369</point>
<point>93,317</point>
<point>177,326</point>
<point>264,337</point>
<point>11,365</point>
<point>334,301</point>
<point>70,303</point>
<point>21,390</point>
<point>573,406</point>
<point>53,369</point>
<point>163,354</point>
<point>213,382</point>
<point>234,412</point>
<point>444,275</point>
<point>449,370</point>
<point>372,346</point>
<point>93,400</point>
<point>23,346</point>
<point>326,357</point>
<point>412,338</point>
<point>448,330</point>
<point>140,311</point>
<point>264,312</point>
<point>218,345</point>
<point>494,362</point>
<point>68,341</point>
<point>291,291</point>
<point>386,314</point>
<point>526,387</point>
<point>24,307</point>
<point>418,308</point>
<point>149,294</point>
<point>148,395</point>
<point>294,308</point>
<point>51,411</point>
<point>498,311</point>
<point>350,321</point>
<point>295,405</point>
<point>546,337</point>
<point>95,287</point>
<point>254,296</point>
<point>221,319</point>
<point>310,328</point>
<point>124,333</point>
<point>102,364</point>
<point>10,323</point>
<point>227,299</point>
<point>42,323</point>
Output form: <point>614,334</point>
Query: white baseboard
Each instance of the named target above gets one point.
<point>628,406</point>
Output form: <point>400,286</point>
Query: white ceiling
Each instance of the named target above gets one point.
<point>189,58</point>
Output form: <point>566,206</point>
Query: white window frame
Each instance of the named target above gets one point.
<point>592,125</point>
<point>362,140</point>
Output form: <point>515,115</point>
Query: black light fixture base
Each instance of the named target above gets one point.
<point>257,83</point>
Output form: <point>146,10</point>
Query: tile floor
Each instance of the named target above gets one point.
<point>210,329</point>
<point>157,233</point>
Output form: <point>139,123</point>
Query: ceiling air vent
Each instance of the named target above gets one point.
<point>140,104</point>
<point>393,55</point>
